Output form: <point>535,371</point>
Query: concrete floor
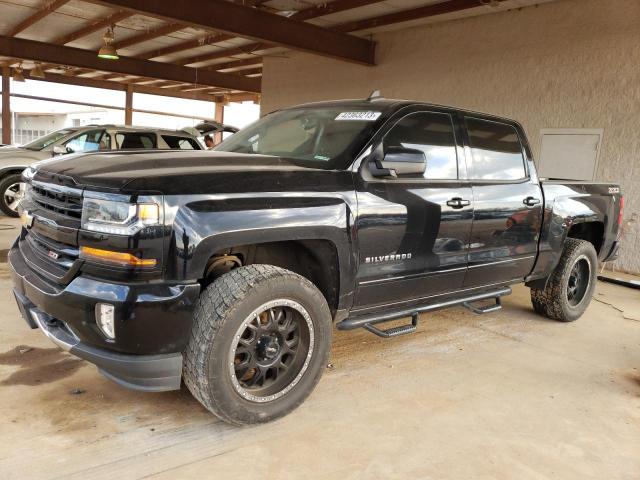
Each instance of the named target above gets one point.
<point>9,230</point>
<point>506,396</point>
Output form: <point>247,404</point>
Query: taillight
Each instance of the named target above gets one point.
<point>620,211</point>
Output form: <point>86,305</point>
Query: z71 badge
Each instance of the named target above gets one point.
<point>388,258</point>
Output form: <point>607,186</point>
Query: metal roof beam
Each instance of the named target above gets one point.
<point>93,26</point>
<point>230,18</point>
<point>76,57</point>
<point>45,9</point>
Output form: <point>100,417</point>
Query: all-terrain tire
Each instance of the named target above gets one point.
<point>553,301</point>
<point>224,307</point>
<point>5,183</point>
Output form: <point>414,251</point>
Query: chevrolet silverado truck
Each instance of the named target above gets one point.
<point>228,269</point>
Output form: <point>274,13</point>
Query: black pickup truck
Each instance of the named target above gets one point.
<point>229,269</point>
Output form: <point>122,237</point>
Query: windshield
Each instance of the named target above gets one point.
<point>44,142</point>
<point>321,137</point>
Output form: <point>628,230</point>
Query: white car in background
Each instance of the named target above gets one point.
<point>90,138</point>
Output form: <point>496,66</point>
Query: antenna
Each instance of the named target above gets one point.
<point>375,95</point>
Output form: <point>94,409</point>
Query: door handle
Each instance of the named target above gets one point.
<point>531,201</point>
<point>457,202</point>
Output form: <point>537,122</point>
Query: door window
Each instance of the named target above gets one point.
<point>496,150</point>
<point>89,142</point>
<point>432,133</point>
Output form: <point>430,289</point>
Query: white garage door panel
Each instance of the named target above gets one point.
<point>570,156</point>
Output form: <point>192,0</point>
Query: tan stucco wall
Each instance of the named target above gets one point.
<point>566,64</point>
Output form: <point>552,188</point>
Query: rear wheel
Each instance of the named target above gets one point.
<point>12,190</point>
<point>571,285</point>
<point>259,344</point>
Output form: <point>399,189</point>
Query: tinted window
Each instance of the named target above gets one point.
<point>433,134</point>
<point>496,150</point>
<point>89,142</point>
<point>180,143</point>
<point>127,140</point>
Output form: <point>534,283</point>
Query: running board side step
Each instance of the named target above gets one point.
<point>484,308</point>
<point>368,321</point>
<point>395,331</point>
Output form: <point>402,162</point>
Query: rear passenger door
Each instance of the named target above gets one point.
<point>507,203</point>
<point>413,231</point>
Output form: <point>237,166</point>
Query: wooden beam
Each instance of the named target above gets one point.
<point>186,45</point>
<point>327,8</point>
<point>128,106</point>
<point>93,26</point>
<point>100,105</point>
<point>230,52</point>
<point>219,117</point>
<point>89,82</point>
<point>45,9</point>
<point>441,8</point>
<point>309,13</point>
<point>76,57</point>
<point>150,35</point>
<point>6,105</point>
<point>256,24</point>
<point>237,64</point>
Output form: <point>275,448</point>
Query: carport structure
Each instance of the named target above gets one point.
<point>206,50</point>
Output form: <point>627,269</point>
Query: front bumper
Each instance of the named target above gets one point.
<point>152,324</point>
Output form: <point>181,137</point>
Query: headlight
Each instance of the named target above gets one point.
<point>120,218</point>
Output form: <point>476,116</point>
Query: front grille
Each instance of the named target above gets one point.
<point>50,246</point>
<point>59,200</point>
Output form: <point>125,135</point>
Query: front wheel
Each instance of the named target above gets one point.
<point>12,190</point>
<point>259,344</point>
<point>571,285</point>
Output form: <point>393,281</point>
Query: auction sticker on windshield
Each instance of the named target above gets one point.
<point>359,116</point>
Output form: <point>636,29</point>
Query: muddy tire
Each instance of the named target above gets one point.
<point>11,193</point>
<point>571,285</point>
<point>259,344</point>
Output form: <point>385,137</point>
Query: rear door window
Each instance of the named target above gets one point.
<point>181,143</point>
<point>496,151</point>
<point>134,140</point>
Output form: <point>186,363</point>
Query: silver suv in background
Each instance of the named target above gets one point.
<point>90,138</point>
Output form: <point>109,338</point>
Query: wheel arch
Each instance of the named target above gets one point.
<point>315,259</point>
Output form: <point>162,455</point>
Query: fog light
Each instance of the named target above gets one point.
<point>105,319</point>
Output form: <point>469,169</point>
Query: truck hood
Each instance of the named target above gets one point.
<point>175,172</point>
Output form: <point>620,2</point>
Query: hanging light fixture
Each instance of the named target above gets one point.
<point>36,71</point>
<point>108,51</point>
<point>17,74</point>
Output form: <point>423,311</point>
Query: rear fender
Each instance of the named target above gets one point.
<point>560,215</point>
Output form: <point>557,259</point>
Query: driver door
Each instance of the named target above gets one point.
<point>413,233</point>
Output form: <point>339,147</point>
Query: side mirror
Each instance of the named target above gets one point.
<point>398,161</point>
<point>60,150</point>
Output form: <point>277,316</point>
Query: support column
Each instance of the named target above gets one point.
<point>128,106</point>
<point>219,117</point>
<point>6,105</point>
